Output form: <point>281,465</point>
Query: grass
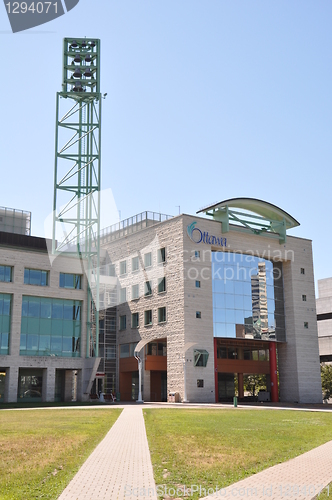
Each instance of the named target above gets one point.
<point>215,448</point>
<point>41,450</point>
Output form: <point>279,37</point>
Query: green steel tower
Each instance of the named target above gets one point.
<point>76,207</point>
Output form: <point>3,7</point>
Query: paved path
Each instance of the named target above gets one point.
<point>301,477</point>
<point>120,467</point>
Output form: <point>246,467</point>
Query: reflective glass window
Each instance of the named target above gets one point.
<point>6,274</point>
<point>248,299</point>
<point>67,280</point>
<point>5,321</point>
<point>35,277</point>
<point>50,326</point>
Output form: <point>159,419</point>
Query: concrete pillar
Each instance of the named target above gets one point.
<point>68,385</point>
<point>273,372</point>
<point>48,387</point>
<point>240,385</point>
<point>11,385</point>
<point>79,387</point>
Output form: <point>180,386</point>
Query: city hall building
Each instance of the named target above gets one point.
<point>202,302</point>
<point>206,301</point>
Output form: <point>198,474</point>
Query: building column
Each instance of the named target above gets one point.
<point>11,384</point>
<point>273,372</point>
<point>48,387</point>
<point>79,387</point>
<point>216,371</point>
<point>68,385</point>
<point>240,385</point>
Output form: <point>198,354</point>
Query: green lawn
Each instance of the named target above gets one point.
<point>215,448</point>
<point>41,450</point>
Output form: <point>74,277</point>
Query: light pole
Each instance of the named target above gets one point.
<point>140,364</point>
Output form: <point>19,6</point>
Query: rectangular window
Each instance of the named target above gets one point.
<point>161,255</point>
<point>6,274</point>
<point>122,295</point>
<point>306,324</point>
<point>161,314</point>
<point>135,292</point>
<point>50,326</point>
<point>148,259</point>
<point>135,320</point>
<point>198,314</point>
<point>124,350</point>
<point>123,322</point>
<point>134,264</point>
<point>200,383</point>
<point>5,320</point>
<point>148,317</point>
<point>35,277</point>
<point>147,288</point>
<point>73,281</point>
<point>197,284</point>
<point>197,254</point>
<point>304,298</point>
<point>162,285</point>
<point>110,352</point>
<point>111,270</point>
<point>302,270</point>
<point>123,267</point>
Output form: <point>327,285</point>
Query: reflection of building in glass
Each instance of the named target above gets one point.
<point>259,302</point>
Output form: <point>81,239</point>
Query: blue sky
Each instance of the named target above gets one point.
<point>207,100</point>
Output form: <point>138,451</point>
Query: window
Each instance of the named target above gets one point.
<point>162,285</point>
<point>200,383</point>
<point>148,317</point>
<point>304,298</point>
<point>6,274</point>
<point>5,320</point>
<point>124,350</point>
<point>197,254</point>
<point>197,284</point>
<point>147,288</point>
<point>110,352</point>
<point>161,314</point>
<point>123,295</point>
<point>157,348</point>
<point>135,320</point>
<point>306,324</point>
<point>302,270</point>
<point>201,357</point>
<point>148,259</point>
<point>161,255</point>
<point>123,267</point>
<point>50,326</point>
<point>135,292</point>
<point>111,270</point>
<point>35,277</point>
<point>198,314</point>
<point>123,322</point>
<point>70,281</point>
<point>134,264</point>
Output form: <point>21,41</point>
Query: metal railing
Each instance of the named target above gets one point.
<point>132,225</point>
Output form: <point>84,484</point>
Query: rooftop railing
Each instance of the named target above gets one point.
<point>132,225</point>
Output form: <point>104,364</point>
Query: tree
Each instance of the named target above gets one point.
<point>253,383</point>
<point>326,374</point>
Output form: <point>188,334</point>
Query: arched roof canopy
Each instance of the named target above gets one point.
<point>259,216</point>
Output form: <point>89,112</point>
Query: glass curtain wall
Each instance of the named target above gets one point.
<point>50,327</point>
<point>5,315</point>
<point>248,299</point>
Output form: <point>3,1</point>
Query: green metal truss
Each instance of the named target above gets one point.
<point>77,172</point>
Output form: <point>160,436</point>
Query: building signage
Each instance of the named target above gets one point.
<point>198,236</point>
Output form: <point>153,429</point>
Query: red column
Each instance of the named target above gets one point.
<point>240,385</point>
<point>273,372</point>
<point>215,371</point>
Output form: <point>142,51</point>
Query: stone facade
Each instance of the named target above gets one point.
<point>299,369</point>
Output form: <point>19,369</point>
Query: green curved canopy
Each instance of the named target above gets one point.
<point>259,216</point>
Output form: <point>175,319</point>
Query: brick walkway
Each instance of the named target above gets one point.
<point>301,477</point>
<point>120,468</point>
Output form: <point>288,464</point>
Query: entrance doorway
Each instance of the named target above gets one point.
<point>158,386</point>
